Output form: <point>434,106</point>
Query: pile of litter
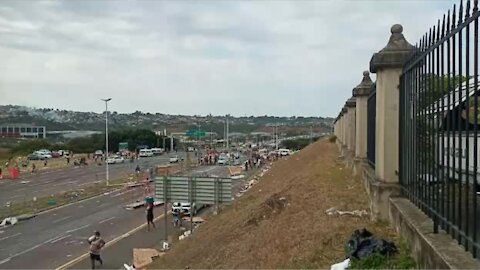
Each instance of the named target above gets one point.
<point>254,180</point>
<point>361,245</point>
<point>335,212</point>
<point>9,221</point>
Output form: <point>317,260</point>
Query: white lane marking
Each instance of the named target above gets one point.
<point>105,220</point>
<point>84,184</point>
<point>4,261</point>
<point>10,236</point>
<point>79,228</point>
<point>61,238</point>
<point>21,253</point>
<point>58,220</point>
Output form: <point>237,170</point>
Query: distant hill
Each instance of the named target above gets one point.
<point>57,120</point>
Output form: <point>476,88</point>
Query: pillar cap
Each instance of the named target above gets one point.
<point>351,102</point>
<point>395,54</point>
<point>363,89</point>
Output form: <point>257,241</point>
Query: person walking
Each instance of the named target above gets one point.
<point>150,216</point>
<point>96,244</point>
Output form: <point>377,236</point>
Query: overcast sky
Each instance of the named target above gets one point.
<point>197,57</point>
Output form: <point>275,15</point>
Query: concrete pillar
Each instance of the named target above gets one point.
<point>344,126</point>
<point>388,64</point>
<point>351,103</point>
<point>361,92</point>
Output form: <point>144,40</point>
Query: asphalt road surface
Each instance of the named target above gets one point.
<point>47,183</point>
<point>55,237</point>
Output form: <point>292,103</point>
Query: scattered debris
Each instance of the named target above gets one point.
<point>341,265</point>
<point>185,235</point>
<point>9,221</point>
<point>362,244</point>
<point>128,267</point>
<point>334,212</point>
<point>142,257</point>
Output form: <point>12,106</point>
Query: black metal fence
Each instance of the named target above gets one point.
<point>439,117</point>
<point>371,115</point>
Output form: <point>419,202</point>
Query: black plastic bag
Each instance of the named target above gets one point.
<point>362,244</point>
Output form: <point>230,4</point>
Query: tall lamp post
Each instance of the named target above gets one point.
<point>106,137</point>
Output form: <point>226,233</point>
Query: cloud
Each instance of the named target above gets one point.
<point>189,57</point>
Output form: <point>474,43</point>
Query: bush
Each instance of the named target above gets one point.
<point>332,139</point>
<point>27,147</point>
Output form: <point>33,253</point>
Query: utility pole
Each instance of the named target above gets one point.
<point>276,136</point>
<point>171,142</point>
<point>164,138</point>
<point>311,135</point>
<point>106,138</point>
<point>227,134</point>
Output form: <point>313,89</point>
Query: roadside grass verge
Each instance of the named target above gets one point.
<point>41,204</point>
<point>280,223</point>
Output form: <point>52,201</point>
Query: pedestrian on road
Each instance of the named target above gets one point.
<point>68,160</point>
<point>33,167</point>
<point>45,163</point>
<point>150,216</point>
<point>96,244</point>
<point>1,176</point>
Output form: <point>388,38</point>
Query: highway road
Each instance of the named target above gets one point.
<point>52,182</point>
<point>58,236</point>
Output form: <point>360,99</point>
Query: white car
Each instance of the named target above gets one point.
<point>178,207</point>
<point>115,160</point>
<point>174,159</point>
<point>222,161</point>
<point>43,154</point>
<point>284,152</point>
<point>145,153</point>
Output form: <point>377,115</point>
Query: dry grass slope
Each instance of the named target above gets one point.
<point>281,222</point>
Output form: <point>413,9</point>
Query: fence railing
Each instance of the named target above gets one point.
<point>439,115</point>
<point>371,115</point>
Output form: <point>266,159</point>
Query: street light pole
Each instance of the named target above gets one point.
<point>106,138</point>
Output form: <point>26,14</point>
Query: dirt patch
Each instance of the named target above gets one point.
<point>281,221</point>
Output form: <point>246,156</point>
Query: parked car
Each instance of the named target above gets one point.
<point>178,207</point>
<point>35,157</point>
<point>157,151</point>
<point>55,154</point>
<point>145,153</point>
<point>42,154</point>
<point>115,160</point>
<point>190,149</point>
<point>284,152</point>
<point>174,159</point>
<point>98,153</point>
<point>222,161</point>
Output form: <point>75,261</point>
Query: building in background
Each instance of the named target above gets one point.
<point>23,131</point>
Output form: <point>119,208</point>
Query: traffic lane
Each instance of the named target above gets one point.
<point>45,185</point>
<point>121,252</point>
<point>210,171</point>
<point>32,242</point>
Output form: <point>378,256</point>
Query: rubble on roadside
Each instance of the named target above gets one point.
<point>333,211</point>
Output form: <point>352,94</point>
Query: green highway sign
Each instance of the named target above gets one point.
<point>195,133</point>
